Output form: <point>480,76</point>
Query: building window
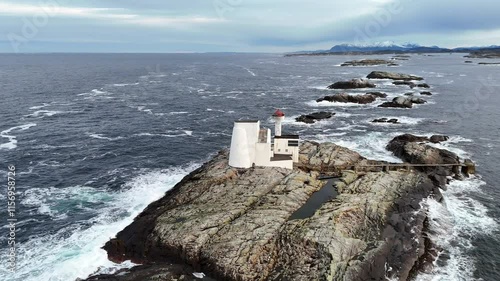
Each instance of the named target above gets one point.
<point>279,150</point>
<point>286,150</point>
<point>293,143</point>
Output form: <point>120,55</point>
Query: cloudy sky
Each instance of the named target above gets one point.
<point>240,25</point>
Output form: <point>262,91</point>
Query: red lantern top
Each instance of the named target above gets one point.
<point>278,113</point>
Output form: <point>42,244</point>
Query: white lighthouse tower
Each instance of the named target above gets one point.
<point>278,117</point>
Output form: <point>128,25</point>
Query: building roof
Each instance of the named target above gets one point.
<point>281,157</point>
<point>246,121</point>
<point>278,113</point>
<point>263,135</point>
<point>293,137</point>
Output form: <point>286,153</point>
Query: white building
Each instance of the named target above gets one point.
<point>251,145</point>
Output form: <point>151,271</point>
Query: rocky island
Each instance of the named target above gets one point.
<point>261,224</point>
<point>369,62</point>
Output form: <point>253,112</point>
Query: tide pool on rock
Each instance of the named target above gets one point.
<point>183,111</point>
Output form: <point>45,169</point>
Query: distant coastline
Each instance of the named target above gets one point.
<point>349,49</point>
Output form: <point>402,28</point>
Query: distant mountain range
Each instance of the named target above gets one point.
<point>391,47</point>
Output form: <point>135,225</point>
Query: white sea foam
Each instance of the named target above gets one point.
<point>12,139</point>
<point>101,137</point>
<point>143,108</point>
<point>451,145</point>
<point>290,120</point>
<point>370,145</point>
<point>215,110</point>
<point>168,134</point>
<point>344,114</point>
<point>44,113</point>
<point>39,106</point>
<point>125,84</point>
<point>75,250</point>
<point>452,224</point>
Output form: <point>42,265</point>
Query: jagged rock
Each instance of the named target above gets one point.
<point>345,98</point>
<point>489,63</point>
<point>359,233</point>
<point>399,102</point>
<point>150,272</point>
<point>352,84</point>
<point>233,224</point>
<point>403,102</point>
<point>326,156</point>
<point>409,138</point>
<point>313,117</point>
<point>468,61</point>
<point>367,62</point>
<point>386,120</point>
<point>485,54</point>
<point>393,76</point>
<point>416,100</point>
<point>408,94</point>
<point>377,94</point>
<point>407,83</point>
<point>413,149</point>
<point>426,93</point>
<point>423,85</point>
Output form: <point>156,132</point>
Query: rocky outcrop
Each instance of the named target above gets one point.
<point>377,94</point>
<point>438,138</point>
<point>485,54</point>
<point>234,224</point>
<point>313,117</point>
<point>368,62</point>
<point>423,85</point>
<point>489,63</point>
<point>393,76</point>
<point>414,149</point>
<point>352,84</point>
<point>345,98</point>
<point>426,93</point>
<point>363,234</point>
<point>403,102</point>
<point>386,120</point>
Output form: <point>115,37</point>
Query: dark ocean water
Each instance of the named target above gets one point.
<point>96,138</point>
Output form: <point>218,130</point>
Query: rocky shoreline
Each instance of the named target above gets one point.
<point>237,224</point>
